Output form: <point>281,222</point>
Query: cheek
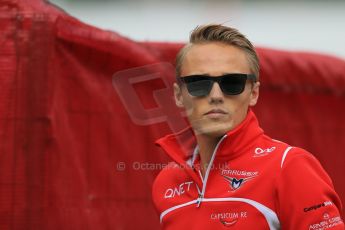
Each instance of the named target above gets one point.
<point>238,104</point>
<point>187,101</point>
<point>193,106</point>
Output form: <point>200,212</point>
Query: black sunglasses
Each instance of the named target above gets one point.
<point>230,84</point>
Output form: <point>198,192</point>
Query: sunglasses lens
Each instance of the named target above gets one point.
<point>199,88</point>
<point>233,85</point>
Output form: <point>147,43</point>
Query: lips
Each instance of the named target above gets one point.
<point>216,111</point>
<point>216,114</point>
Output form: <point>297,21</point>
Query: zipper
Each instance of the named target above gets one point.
<point>204,180</point>
<point>200,197</point>
<point>198,201</point>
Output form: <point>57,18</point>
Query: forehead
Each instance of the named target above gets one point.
<point>214,59</point>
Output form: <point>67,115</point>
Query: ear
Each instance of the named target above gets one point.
<point>254,94</point>
<point>178,96</point>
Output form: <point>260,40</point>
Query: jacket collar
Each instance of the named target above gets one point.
<point>181,146</point>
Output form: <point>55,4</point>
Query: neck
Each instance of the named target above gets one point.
<point>206,144</point>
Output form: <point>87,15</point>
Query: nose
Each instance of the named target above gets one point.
<point>216,94</point>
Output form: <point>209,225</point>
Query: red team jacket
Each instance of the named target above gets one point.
<point>252,182</point>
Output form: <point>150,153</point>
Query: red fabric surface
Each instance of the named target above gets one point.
<point>65,127</point>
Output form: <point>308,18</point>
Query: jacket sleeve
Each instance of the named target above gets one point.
<point>305,194</point>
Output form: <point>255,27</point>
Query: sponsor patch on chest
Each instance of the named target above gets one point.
<point>178,190</point>
<point>228,219</point>
<point>237,178</point>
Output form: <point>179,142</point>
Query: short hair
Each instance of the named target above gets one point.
<point>224,34</point>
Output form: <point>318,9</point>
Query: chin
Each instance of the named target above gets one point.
<point>213,130</point>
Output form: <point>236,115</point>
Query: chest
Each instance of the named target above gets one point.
<point>234,196</point>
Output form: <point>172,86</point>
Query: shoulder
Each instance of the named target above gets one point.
<point>301,173</point>
<point>283,154</point>
<point>168,178</point>
<point>289,162</point>
<point>299,161</point>
<point>305,192</point>
<point>169,173</point>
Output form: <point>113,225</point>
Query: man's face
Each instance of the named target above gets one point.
<point>216,113</point>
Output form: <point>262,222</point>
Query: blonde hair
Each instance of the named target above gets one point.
<point>219,33</point>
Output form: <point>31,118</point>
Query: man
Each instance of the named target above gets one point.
<point>229,173</point>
